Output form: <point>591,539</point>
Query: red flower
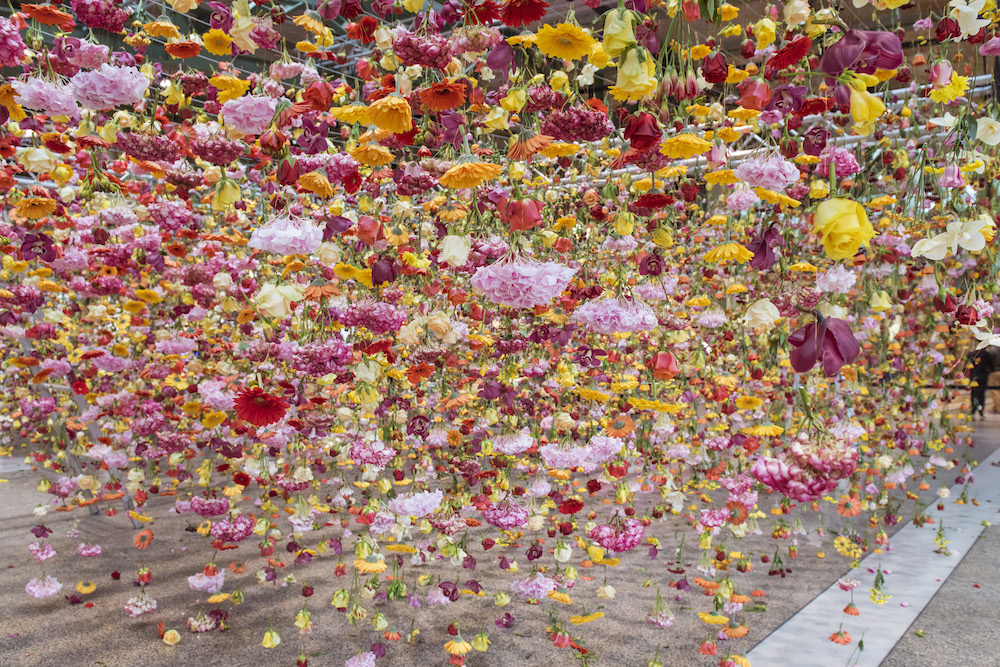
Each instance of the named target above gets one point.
<point>664,365</point>
<point>787,56</point>
<point>642,131</point>
<point>363,30</point>
<point>520,213</point>
<point>485,12</point>
<point>714,68</point>
<point>754,94</point>
<point>522,12</point>
<point>570,506</point>
<point>258,408</point>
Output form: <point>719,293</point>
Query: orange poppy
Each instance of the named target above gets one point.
<point>49,15</point>
<point>849,506</point>
<point>184,48</point>
<point>143,539</point>
<point>620,426</point>
<point>443,96</point>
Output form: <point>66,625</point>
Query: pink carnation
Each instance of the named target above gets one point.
<point>11,45</point>
<point>49,97</point>
<point>287,236</point>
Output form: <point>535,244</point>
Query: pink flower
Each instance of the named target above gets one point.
<point>53,99</point>
<point>287,236</point>
<point>522,283</point>
<point>990,47</point>
<point>417,504</point>
<point>88,550</point>
<point>250,114</point>
<point>42,588</point>
<point>109,87</point>
<point>11,45</point>
<point>207,583</point>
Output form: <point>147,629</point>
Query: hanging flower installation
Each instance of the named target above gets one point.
<point>434,289</point>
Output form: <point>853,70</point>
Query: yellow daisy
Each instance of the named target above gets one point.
<point>729,252</point>
<point>684,146</point>
<point>217,42</point>
<point>567,41</point>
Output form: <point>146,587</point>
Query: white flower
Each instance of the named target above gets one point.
<point>967,15</point>
<point>586,76</point>
<point>986,338</point>
<point>762,315</point>
<point>276,300</point>
<point>970,235</point>
<point>454,250</point>
<point>988,131</point>
<point>796,12</point>
<point>37,160</point>
<point>947,120</point>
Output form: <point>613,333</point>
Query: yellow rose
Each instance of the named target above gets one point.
<point>598,57</point>
<point>843,226</point>
<point>764,31</point>
<point>171,637</point>
<point>515,100</point>
<point>819,189</point>
<point>619,31</point>
<point>559,81</point>
<point>276,300</point>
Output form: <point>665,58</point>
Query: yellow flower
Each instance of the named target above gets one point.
<point>86,587</point>
<point>729,252</point>
<point>567,41</point>
<point>560,596</point>
<point>684,146</point>
<point>736,75</point>
<point>764,430</point>
<point>593,395</point>
<point>764,32</point>
<point>469,173</point>
<point>352,113</point>
<point>727,12</point>
<point>772,197</point>
<point>148,295</point>
<point>213,419</point>
<point>271,639</point>
<point>559,149</point>
<point>819,189</point>
<point>162,30</point>
<point>391,113</point>
<point>514,100</point>
<point>171,637</point>
<point>636,76</point>
<point>371,155</point>
<point>229,87</point>
<point>577,620</point>
<point>712,619</point>
<point>949,93</point>
<point>370,564</point>
<point>619,31</point>
<point>865,107</point>
<point>497,119</point>
<point>748,402</point>
<point>458,646</point>
<point>843,226</point>
<point>880,301</point>
<point>217,42</point>
<point>722,177</point>
<point>700,51</point>
<point>317,183</point>
<point>218,598</point>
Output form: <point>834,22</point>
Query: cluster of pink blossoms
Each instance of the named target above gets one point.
<point>250,114</point>
<point>620,537</point>
<point>287,236</point>
<point>424,50</point>
<point>108,86</point>
<point>506,515</point>
<point>771,173</point>
<point>807,471</point>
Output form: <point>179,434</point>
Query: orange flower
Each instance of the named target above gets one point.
<point>184,48</point>
<point>523,148</point>
<point>849,506</point>
<point>49,15</point>
<point>841,637</point>
<point>419,373</point>
<point>443,96</point>
<point>143,539</point>
<point>620,426</point>
<point>735,632</point>
<point>237,567</point>
<point>737,512</point>
<point>851,610</point>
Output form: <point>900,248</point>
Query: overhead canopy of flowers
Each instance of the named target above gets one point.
<point>402,292</point>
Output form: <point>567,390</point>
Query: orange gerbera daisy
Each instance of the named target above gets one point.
<point>841,637</point>
<point>524,147</point>
<point>469,173</point>
<point>184,48</point>
<point>143,539</point>
<point>443,96</point>
<point>237,567</point>
<point>737,512</point>
<point>737,631</point>
<point>851,610</point>
<point>849,506</point>
<point>620,426</point>
<point>49,15</point>
<point>35,207</point>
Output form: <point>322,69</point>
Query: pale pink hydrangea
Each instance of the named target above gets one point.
<point>208,583</point>
<point>513,444</point>
<point>615,315</point>
<point>108,86</point>
<point>140,604</point>
<point>522,283</point>
<point>43,587</point>
<point>506,515</point>
<point>741,199</point>
<point>533,587</point>
<point>371,453</point>
<point>838,280</point>
<point>619,538</point>
<point>417,504</point>
<point>287,236</point>
<point>12,47</point>
<point>49,97</point>
<point>250,114</point>
<point>88,550</point>
<point>772,173</point>
<point>366,659</point>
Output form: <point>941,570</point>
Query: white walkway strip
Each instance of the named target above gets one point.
<point>917,574</point>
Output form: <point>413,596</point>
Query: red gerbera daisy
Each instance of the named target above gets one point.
<point>787,56</point>
<point>654,200</point>
<point>258,408</point>
<point>522,12</point>
<point>482,12</point>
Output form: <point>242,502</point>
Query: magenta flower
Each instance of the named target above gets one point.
<point>863,51</point>
<point>829,339</point>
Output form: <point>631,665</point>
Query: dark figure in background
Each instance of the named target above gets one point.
<point>981,364</point>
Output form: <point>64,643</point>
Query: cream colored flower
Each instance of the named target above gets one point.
<point>276,300</point>
<point>988,131</point>
<point>762,315</point>
<point>454,250</point>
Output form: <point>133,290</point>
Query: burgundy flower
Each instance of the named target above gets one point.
<point>762,246</point>
<point>829,339</point>
<point>863,51</point>
<point>815,140</point>
<point>642,131</point>
<point>38,245</point>
<point>714,68</point>
<point>947,28</point>
<point>258,408</point>
<point>651,265</point>
<point>383,271</point>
